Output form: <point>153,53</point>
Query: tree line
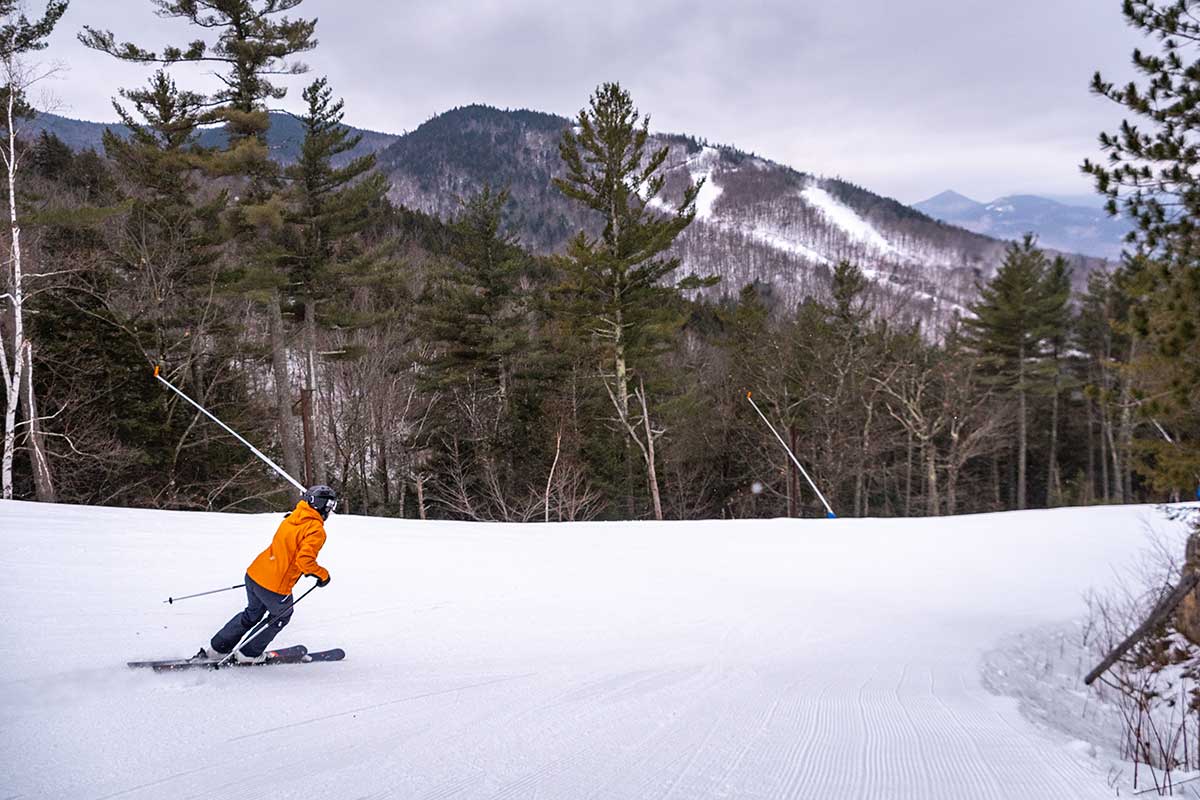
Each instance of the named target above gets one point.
<point>442,370</point>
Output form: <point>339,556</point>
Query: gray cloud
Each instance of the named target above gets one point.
<point>904,98</point>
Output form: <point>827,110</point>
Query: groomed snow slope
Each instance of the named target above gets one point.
<point>782,659</point>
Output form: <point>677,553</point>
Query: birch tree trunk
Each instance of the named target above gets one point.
<point>16,299</point>
<point>650,466</point>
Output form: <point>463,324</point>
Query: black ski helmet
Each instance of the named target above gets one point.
<point>322,498</point>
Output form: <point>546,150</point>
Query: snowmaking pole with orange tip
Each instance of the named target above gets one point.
<point>229,430</point>
<point>829,511</point>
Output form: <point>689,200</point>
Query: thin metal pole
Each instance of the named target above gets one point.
<point>792,455</point>
<point>261,624</point>
<point>231,431</point>
<point>201,594</point>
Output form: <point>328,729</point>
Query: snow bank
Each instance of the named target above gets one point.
<point>763,659</point>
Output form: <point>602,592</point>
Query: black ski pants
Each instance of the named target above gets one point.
<point>259,601</point>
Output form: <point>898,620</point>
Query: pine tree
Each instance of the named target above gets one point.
<point>328,207</point>
<point>1151,177</point>
<point>253,43</point>
<point>475,315</point>
<point>622,298</point>
<point>1056,297</point>
<point>1011,323</point>
<point>167,244</point>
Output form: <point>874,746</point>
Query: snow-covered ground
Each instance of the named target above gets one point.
<point>778,659</point>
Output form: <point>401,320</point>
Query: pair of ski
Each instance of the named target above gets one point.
<point>287,655</point>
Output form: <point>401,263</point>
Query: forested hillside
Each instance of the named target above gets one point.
<point>506,316</point>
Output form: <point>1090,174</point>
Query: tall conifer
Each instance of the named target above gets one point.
<point>621,285</point>
<point>1009,329</point>
<point>253,42</point>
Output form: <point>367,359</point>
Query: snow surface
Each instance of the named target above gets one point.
<point>702,167</point>
<point>845,218</point>
<point>764,659</point>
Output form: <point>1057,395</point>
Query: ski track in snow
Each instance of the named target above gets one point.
<point>764,660</point>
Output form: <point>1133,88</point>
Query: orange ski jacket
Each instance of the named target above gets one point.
<point>293,552</point>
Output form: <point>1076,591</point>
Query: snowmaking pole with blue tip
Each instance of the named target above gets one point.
<point>231,432</point>
<point>829,511</point>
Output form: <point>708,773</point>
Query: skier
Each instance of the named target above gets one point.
<point>269,580</point>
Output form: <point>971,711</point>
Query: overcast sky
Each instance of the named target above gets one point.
<point>905,97</point>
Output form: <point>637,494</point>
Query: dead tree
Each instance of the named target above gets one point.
<point>1182,597</point>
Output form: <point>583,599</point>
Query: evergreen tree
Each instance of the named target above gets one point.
<point>476,313</point>
<point>476,317</point>
<point>166,248</point>
<point>253,43</point>
<point>329,206</point>
<point>1056,297</point>
<point>1151,177</point>
<point>1011,323</point>
<point>622,298</point>
<point>159,290</point>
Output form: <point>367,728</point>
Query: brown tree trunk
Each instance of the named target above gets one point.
<point>793,494</point>
<point>932,500</point>
<point>997,501</point>
<point>283,395</point>
<point>421,511</point>
<point>1022,431</point>
<point>1090,483</point>
<point>310,348</point>
<point>1105,434</point>
<point>952,490</point>
<point>908,458</point>
<point>1053,493</point>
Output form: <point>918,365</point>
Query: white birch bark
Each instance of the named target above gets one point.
<point>15,296</point>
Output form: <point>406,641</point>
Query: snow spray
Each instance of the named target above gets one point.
<point>231,431</point>
<point>792,455</point>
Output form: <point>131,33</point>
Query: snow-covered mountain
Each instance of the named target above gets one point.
<point>726,659</point>
<point>757,220</point>
<point>1070,228</point>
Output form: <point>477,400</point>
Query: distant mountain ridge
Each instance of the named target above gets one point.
<point>284,138</point>
<point>757,221</point>
<point>1073,228</point>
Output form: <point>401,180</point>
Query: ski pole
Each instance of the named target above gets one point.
<point>796,461</point>
<point>231,431</point>
<point>201,594</point>
<point>261,624</point>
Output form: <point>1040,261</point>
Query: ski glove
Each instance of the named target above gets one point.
<point>320,582</point>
